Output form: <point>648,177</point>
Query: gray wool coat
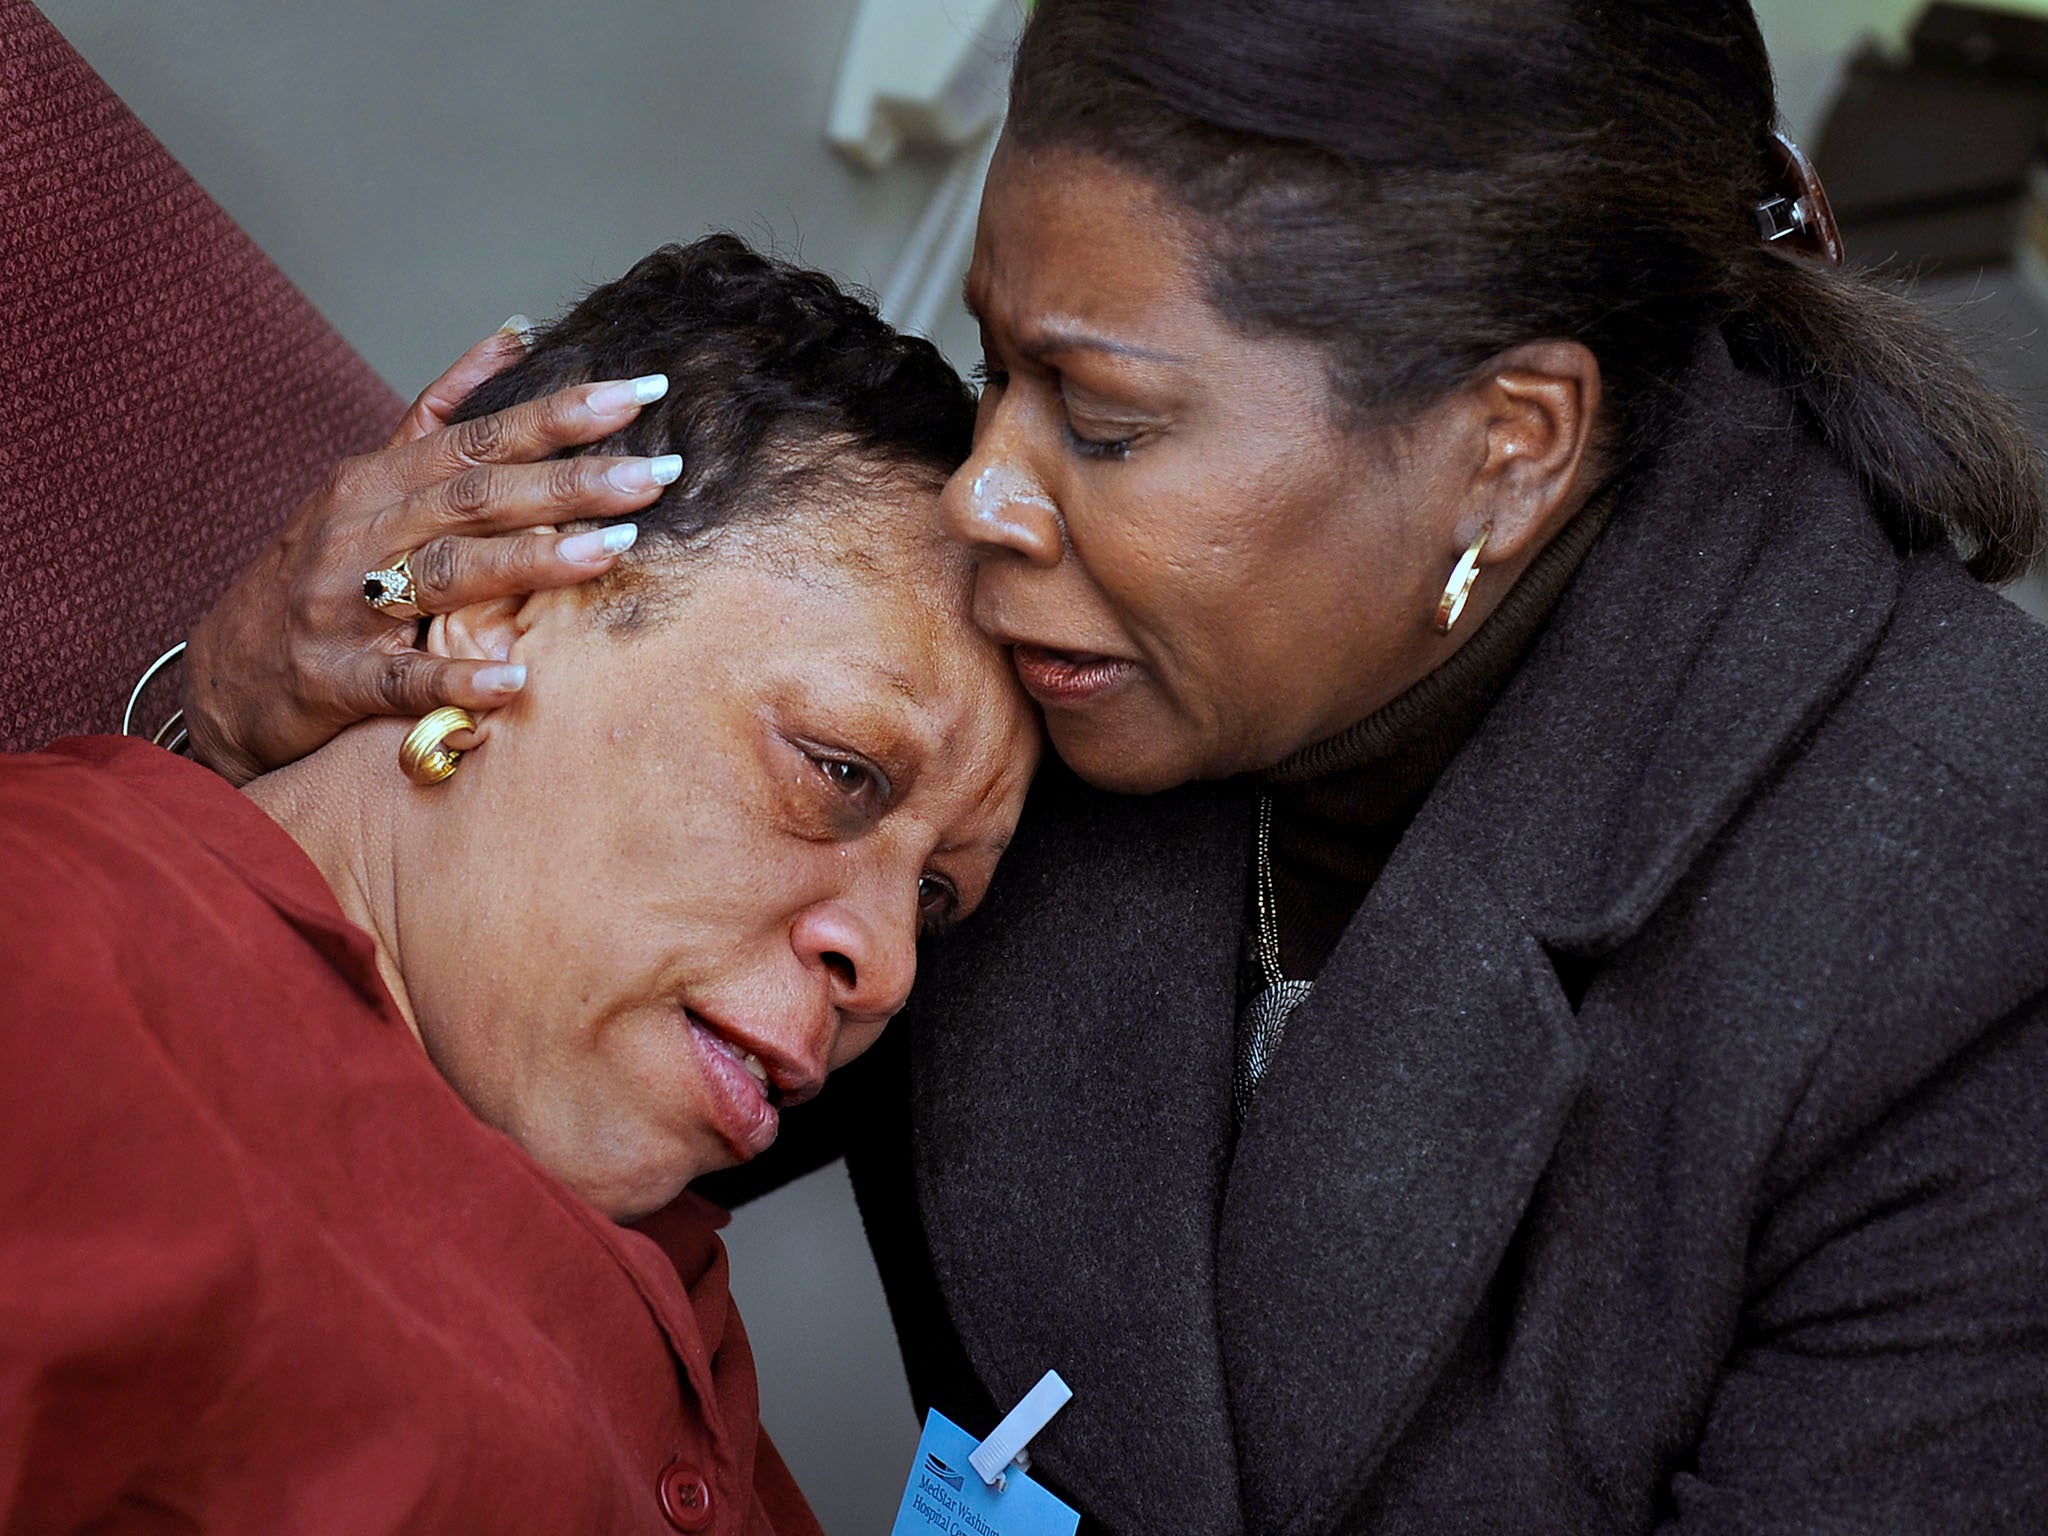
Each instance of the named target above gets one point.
<point>1665,1147</point>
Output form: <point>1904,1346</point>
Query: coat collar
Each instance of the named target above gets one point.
<point>1739,589</point>
<point>235,830</point>
<point>1248,1333</point>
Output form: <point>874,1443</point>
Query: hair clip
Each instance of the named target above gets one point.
<point>1799,217</point>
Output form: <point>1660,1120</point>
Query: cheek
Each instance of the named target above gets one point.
<point>1211,573</point>
<point>1161,560</point>
<point>537,900</point>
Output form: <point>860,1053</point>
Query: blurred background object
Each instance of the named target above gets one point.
<point>423,168</point>
<point>1927,148</point>
<point>920,72</point>
<point>1927,123</point>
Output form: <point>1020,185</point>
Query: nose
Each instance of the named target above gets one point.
<point>867,953</point>
<point>994,504</point>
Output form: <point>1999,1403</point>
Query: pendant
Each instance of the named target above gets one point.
<point>1258,1035</point>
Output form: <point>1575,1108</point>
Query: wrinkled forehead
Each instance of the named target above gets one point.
<point>891,594</point>
<point>900,597</point>
<point>1065,234</point>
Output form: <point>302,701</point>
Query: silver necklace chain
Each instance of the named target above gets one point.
<point>1265,1018</point>
<point>1268,941</point>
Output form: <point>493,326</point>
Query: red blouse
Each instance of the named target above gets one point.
<point>260,1268</point>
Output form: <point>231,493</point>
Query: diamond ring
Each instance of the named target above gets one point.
<point>390,591</point>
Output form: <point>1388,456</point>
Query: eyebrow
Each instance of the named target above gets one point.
<point>1057,339</point>
<point>891,674</point>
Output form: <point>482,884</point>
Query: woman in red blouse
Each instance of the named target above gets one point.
<point>348,1119</point>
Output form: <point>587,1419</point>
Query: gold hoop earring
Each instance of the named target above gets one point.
<point>1459,588</point>
<point>423,757</point>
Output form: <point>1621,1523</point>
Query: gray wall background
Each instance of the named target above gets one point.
<point>423,168</point>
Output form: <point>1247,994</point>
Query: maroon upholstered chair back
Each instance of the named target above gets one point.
<point>166,395</point>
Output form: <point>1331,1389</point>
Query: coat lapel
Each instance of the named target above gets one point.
<point>1382,1170</point>
<point>1072,1134</point>
<point>1420,1093</point>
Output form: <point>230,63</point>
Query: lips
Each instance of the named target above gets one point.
<point>1068,678</point>
<point>746,1089</point>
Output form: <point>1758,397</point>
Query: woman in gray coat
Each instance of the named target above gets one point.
<point>1560,1043</point>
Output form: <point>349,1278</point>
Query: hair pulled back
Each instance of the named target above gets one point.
<point>1420,185</point>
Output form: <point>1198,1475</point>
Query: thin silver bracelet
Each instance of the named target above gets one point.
<point>171,735</point>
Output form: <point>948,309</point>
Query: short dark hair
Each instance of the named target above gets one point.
<point>782,385</point>
<point>1420,185</point>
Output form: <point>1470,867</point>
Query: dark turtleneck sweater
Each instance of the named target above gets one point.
<point>1341,806</point>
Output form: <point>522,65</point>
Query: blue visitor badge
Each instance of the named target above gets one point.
<point>946,1496</point>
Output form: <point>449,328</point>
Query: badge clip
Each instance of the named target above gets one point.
<point>1005,1446</point>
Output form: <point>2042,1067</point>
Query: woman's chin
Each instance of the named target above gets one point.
<point>1123,758</point>
<point>627,1201</point>
<point>627,1190</point>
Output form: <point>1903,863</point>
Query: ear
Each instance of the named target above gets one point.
<point>1540,405</point>
<point>484,631</point>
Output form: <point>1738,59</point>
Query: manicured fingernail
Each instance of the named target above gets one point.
<point>644,474</point>
<point>521,327</point>
<point>599,543</point>
<point>616,396</point>
<point>509,677</point>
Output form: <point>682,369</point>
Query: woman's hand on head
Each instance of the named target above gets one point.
<point>292,653</point>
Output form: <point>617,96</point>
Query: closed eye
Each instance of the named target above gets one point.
<point>1099,447</point>
<point>988,376</point>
